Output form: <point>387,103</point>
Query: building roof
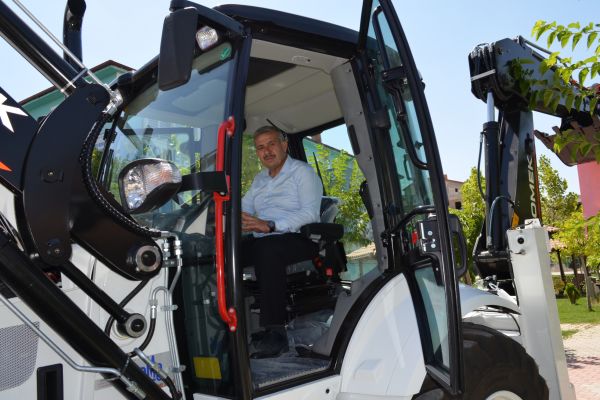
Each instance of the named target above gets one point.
<point>106,64</point>
<point>367,251</point>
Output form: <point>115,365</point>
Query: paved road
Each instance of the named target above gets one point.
<point>583,361</point>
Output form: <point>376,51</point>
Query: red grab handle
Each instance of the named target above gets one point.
<point>228,315</point>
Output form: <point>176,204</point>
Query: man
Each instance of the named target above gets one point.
<point>283,197</point>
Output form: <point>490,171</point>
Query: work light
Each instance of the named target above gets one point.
<point>147,184</point>
<point>206,37</point>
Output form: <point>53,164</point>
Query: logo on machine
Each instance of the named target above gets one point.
<point>4,167</point>
<point>4,111</point>
<point>532,186</point>
<point>150,372</point>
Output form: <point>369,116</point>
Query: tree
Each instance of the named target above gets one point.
<point>569,72</point>
<point>582,239</point>
<point>342,179</point>
<point>471,214</point>
<point>557,204</point>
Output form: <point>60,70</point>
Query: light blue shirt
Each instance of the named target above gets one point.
<point>291,199</point>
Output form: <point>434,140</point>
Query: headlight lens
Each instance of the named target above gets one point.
<point>206,37</point>
<point>141,180</point>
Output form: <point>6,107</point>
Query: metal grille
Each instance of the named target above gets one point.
<point>18,353</point>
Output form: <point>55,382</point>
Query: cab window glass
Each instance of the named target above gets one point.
<point>415,184</point>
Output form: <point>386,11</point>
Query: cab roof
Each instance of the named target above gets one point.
<point>294,30</point>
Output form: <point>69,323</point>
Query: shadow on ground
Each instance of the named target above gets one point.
<point>574,361</point>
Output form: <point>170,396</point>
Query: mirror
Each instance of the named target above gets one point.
<point>177,47</point>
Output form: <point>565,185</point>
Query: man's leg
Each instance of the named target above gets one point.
<point>270,255</point>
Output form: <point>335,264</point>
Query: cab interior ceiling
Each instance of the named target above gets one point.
<point>291,87</point>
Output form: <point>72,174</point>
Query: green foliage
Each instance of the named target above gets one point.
<point>341,179</point>
<point>572,293</point>
<point>581,237</point>
<point>559,286</point>
<point>250,163</point>
<point>568,72</point>
<point>567,333</point>
<point>557,203</point>
<point>472,213</point>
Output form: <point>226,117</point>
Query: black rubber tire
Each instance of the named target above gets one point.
<point>494,362</point>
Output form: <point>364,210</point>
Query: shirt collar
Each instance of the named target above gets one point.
<point>287,164</point>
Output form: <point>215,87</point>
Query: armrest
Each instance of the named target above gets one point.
<point>327,232</point>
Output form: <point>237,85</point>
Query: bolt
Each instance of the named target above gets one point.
<point>520,240</point>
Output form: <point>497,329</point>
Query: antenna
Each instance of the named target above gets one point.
<point>319,173</point>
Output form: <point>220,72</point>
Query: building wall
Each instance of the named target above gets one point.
<point>453,190</point>
<point>589,176</point>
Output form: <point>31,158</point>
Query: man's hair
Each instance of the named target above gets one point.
<point>270,128</point>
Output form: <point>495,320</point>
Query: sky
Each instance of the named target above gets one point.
<point>441,34</point>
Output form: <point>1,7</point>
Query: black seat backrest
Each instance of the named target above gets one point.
<point>329,209</point>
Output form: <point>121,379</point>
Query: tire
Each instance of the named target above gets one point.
<point>498,368</point>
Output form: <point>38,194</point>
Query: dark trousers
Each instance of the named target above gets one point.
<point>270,255</point>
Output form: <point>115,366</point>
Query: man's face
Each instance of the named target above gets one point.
<point>271,150</point>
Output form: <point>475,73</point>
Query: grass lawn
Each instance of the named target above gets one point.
<point>577,313</point>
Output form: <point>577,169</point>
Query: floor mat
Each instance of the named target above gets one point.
<point>269,371</point>
<point>302,331</point>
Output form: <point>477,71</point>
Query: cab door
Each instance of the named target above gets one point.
<point>417,232</point>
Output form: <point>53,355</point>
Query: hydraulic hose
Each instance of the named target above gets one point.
<point>123,303</point>
<point>85,159</point>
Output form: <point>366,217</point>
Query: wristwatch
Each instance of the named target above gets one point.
<point>271,225</point>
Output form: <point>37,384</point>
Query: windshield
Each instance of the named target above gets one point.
<point>179,125</point>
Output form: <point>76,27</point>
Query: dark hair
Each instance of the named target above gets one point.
<point>270,128</point>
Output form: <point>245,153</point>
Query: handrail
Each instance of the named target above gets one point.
<point>228,315</point>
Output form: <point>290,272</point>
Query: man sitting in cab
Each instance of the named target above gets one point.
<point>283,197</point>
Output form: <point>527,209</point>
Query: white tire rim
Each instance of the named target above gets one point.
<point>503,395</point>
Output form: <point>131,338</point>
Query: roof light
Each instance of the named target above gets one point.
<point>206,37</point>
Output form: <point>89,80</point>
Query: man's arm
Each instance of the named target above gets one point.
<point>310,191</point>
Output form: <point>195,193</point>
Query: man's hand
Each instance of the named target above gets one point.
<point>253,224</point>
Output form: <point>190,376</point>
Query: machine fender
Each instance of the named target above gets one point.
<point>472,299</point>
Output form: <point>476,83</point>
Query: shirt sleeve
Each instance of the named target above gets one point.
<point>310,191</point>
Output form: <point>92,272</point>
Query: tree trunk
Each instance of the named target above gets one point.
<point>574,268</point>
<point>562,270</point>
<point>587,280</point>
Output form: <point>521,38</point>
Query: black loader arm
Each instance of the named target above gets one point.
<point>510,69</point>
<point>506,75</point>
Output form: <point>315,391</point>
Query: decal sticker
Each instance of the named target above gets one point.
<point>5,109</point>
<point>226,53</point>
<point>4,167</point>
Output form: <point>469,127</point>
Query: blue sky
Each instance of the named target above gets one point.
<point>441,34</point>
